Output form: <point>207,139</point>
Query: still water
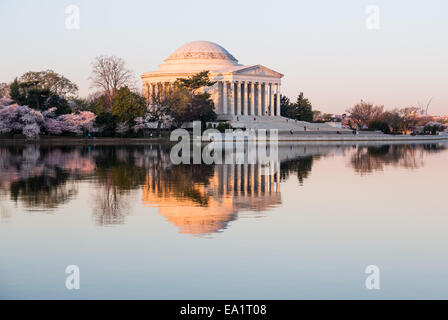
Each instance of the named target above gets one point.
<point>140,227</point>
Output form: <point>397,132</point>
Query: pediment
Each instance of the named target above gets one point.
<point>258,70</point>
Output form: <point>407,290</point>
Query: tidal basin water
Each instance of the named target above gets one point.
<point>140,227</point>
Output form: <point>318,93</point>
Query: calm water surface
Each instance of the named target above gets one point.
<point>140,227</point>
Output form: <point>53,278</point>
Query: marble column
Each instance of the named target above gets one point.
<point>278,176</point>
<point>238,97</point>
<point>232,179</point>
<point>224,177</point>
<point>245,179</point>
<point>252,98</point>
<point>224,97</point>
<point>156,89</point>
<point>266,99</point>
<point>219,98</point>
<point>245,98</point>
<point>271,94</point>
<point>164,89</point>
<point>238,179</point>
<point>277,103</point>
<point>232,97</point>
<point>252,177</point>
<point>259,112</point>
<point>147,90</point>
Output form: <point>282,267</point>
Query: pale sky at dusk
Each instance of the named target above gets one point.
<point>322,47</point>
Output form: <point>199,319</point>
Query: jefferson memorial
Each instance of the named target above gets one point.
<point>239,90</point>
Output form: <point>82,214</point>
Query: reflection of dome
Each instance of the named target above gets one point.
<point>190,217</point>
<point>197,56</point>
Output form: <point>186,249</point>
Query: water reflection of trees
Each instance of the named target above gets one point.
<point>368,159</point>
<point>46,191</point>
<point>118,171</point>
<point>300,167</point>
<point>43,177</point>
<point>40,177</point>
<point>182,181</point>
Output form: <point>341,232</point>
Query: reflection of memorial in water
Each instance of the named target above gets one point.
<point>204,207</point>
<point>197,199</point>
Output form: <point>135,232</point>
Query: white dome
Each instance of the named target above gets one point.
<point>198,56</point>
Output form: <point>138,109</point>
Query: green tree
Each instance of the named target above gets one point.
<point>301,110</point>
<point>61,104</point>
<point>393,120</point>
<point>195,82</point>
<point>128,105</point>
<point>107,123</point>
<point>15,93</point>
<point>188,100</point>
<point>433,128</point>
<point>43,90</point>
<point>379,125</point>
<point>284,106</point>
<point>49,80</point>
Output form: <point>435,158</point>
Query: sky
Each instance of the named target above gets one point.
<point>336,52</point>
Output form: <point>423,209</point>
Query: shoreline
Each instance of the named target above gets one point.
<point>355,138</point>
<point>281,138</point>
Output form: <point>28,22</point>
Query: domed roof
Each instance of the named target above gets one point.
<point>201,50</point>
<point>198,56</point>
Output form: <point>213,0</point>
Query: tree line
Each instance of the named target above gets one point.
<point>46,102</point>
<point>366,115</point>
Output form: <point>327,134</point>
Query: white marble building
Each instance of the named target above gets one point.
<point>239,90</point>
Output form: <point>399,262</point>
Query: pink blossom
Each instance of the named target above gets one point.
<point>78,122</point>
<point>54,126</point>
<point>15,118</point>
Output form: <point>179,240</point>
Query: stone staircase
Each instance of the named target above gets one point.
<point>280,123</point>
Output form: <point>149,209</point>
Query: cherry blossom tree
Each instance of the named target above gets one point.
<point>80,122</point>
<point>21,119</point>
<point>122,128</point>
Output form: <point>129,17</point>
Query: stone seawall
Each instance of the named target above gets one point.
<point>359,137</point>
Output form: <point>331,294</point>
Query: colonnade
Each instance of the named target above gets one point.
<point>246,179</point>
<point>246,98</point>
<point>238,180</point>
<point>249,98</point>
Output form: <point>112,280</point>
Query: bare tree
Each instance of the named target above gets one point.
<point>364,112</point>
<point>423,108</point>
<point>110,74</point>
